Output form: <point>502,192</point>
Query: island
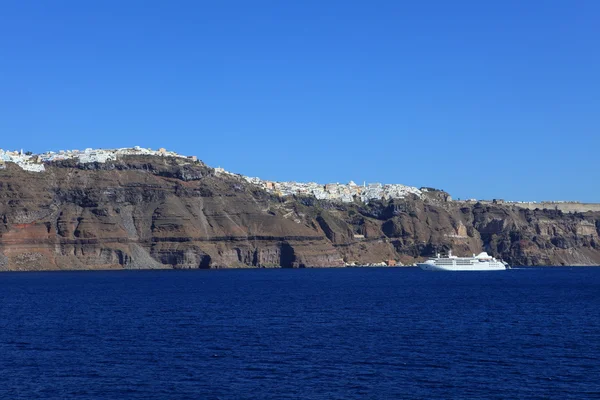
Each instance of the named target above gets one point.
<point>138,208</point>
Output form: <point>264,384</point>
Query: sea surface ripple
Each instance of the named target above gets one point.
<point>355,333</point>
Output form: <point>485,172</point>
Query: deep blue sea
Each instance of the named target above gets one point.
<point>354,333</point>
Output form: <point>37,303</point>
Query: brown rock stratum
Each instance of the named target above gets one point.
<point>158,212</point>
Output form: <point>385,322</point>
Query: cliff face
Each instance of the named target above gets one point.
<point>412,229</point>
<point>155,212</point>
<point>146,213</point>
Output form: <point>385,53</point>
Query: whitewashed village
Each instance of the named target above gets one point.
<point>35,162</point>
<point>346,193</point>
<point>332,191</point>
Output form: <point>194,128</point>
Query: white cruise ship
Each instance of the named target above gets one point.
<point>480,262</point>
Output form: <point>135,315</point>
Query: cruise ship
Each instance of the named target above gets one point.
<point>480,262</point>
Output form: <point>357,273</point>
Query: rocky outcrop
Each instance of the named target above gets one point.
<point>161,212</point>
<point>146,212</point>
<point>411,229</point>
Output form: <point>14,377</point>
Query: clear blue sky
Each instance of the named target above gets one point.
<point>485,99</point>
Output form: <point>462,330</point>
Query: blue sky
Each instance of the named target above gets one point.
<point>482,99</point>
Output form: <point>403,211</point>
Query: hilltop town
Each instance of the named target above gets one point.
<point>331,191</point>
<point>35,162</point>
<point>346,193</point>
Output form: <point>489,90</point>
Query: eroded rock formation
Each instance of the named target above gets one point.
<point>160,212</point>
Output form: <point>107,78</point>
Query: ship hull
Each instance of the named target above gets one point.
<point>476,267</point>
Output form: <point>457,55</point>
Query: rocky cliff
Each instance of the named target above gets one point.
<point>162,212</point>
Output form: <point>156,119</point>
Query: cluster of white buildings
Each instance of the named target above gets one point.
<point>35,162</point>
<point>337,191</point>
<point>28,162</point>
<point>331,191</point>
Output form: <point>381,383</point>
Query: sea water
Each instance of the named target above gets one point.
<point>355,333</point>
